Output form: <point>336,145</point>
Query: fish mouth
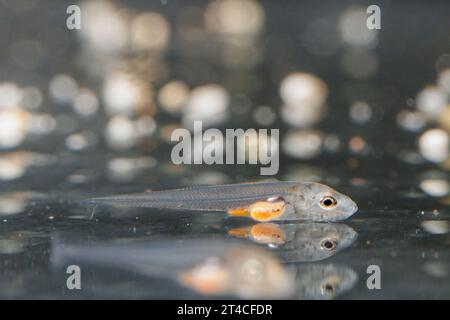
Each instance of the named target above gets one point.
<point>351,209</point>
<point>354,208</point>
<point>350,237</point>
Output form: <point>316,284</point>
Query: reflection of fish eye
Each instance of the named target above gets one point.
<point>253,270</point>
<point>328,202</point>
<point>328,244</point>
<point>327,288</point>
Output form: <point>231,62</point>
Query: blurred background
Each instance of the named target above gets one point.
<point>90,112</point>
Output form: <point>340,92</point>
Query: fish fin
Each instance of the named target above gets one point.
<point>148,190</point>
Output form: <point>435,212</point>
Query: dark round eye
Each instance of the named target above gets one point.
<point>328,202</point>
<point>328,244</point>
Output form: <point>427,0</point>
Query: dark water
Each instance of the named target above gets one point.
<point>392,225</point>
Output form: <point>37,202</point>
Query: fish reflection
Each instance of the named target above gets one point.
<point>302,241</point>
<point>211,267</point>
<point>324,281</point>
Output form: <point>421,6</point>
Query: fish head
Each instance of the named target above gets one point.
<point>318,202</point>
<point>317,241</point>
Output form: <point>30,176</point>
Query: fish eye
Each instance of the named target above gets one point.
<point>328,202</point>
<point>328,244</point>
